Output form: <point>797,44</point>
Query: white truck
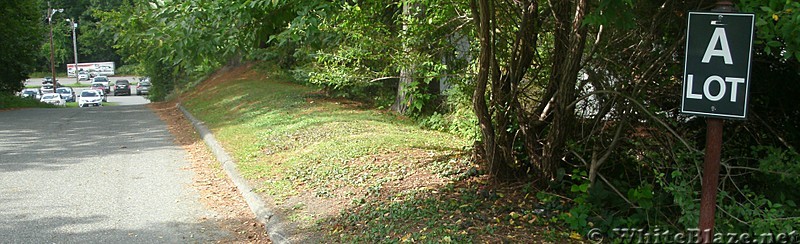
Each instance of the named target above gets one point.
<point>92,69</point>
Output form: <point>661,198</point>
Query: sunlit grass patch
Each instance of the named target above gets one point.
<point>277,134</point>
<point>357,175</point>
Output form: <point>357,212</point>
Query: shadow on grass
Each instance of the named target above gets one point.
<point>464,211</point>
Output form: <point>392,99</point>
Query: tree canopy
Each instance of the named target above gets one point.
<point>20,37</point>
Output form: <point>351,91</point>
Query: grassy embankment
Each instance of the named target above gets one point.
<point>351,174</point>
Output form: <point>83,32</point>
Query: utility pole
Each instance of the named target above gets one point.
<point>50,12</point>
<point>75,49</point>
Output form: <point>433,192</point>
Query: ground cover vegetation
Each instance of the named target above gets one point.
<point>12,101</point>
<point>577,100</point>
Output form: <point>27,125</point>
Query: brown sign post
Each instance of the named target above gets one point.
<point>708,198</point>
<point>716,86</point>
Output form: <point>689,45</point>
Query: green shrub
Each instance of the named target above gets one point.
<point>129,70</point>
<point>12,101</point>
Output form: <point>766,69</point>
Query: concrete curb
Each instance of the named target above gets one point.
<point>275,226</point>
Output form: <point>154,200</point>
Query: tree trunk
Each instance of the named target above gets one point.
<point>481,13</point>
<point>500,127</point>
<point>404,98</point>
<point>570,38</point>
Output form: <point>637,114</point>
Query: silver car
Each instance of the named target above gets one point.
<point>67,93</point>
<point>31,93</point>
<point>103,80</point>
<point>144,86</point>
<point>47,89</point>
<point>83,76</point>
<point>53,98</point>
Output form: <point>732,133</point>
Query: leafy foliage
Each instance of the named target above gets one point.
<point>778,24</point>
<point>94,43</point>
<point>20,37</point>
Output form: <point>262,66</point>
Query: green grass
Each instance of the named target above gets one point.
<point>314,141</point>
<point>292,144</point>
<point>10,101</point>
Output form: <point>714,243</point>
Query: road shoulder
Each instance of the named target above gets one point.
<point>217,192</point>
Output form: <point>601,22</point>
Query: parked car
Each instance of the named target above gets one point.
<point>53,98</point>
<point>144,86</point>
<point>90,98</point>
<point>98,86</point>
<point>83,76</point>
<point>101,89</point>
<point>104,95</point>
<point>103,80</point>
<point>122,87</point>
<point>31,93</point>
<point>67,93</point>
<point>49,81</point>
<point>47,89</point>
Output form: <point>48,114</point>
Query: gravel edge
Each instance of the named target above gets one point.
<point>275,226</point>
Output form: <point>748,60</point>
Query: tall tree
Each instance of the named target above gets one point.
<point>20,37</point>
<point>404,96</point>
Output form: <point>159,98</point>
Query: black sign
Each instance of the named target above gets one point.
<point>716,78</point>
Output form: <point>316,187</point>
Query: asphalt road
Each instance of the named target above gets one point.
<point>96,175</point>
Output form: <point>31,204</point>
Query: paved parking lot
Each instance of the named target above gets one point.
<point>96,175</point>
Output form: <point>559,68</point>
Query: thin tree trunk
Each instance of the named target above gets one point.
<point>404,98</point>
<point>570,39</point>
<point>480,12</point>
<point>500,127</point>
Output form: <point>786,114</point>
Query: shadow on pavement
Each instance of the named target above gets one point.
<point>67,229</point>
<point>96,175</point>
<point>50,139</point>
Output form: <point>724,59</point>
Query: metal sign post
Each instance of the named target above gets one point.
<point>716,85</point>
